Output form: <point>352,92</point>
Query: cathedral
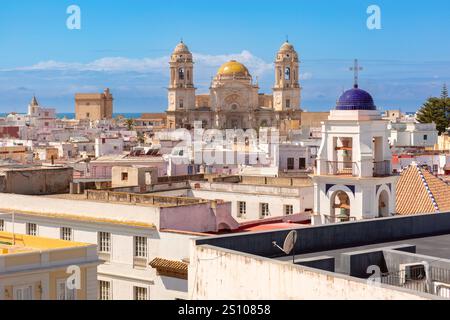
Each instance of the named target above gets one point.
<point>234,100</point>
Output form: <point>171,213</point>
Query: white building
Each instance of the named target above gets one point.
<point>297,157</point>
<point>108,146</point>
<point>129,236</point>
<point>354,176</point>
<point>413,134</point>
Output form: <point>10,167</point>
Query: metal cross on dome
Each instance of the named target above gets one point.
<point>356,69</point>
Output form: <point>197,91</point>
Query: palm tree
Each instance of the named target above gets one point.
<point>141,138</point>
<point>129,123</point>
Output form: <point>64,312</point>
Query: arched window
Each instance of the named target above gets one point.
<point>188,75</point>
<point>287,73</point>
<point>181,104</point>
<point>181,74</point>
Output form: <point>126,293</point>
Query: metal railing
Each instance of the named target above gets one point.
<point>382,169</point>
<point>338,219</point>
<point>436,282</point>
<point>346,168</point>
<point>343,168</point>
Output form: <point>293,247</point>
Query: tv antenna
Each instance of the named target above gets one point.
<point>289,244</point>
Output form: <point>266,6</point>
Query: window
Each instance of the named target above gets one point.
<point>242,209</point>
<point>23,292</point>
<point>288,103</point>
<point>181,104</point>
<point>88,115</point>
<point>290,163</point>
<point>104,242</point>
<point>435,168</point>
<point>104,290</point>
<point>425,137</point>
<point>302,163</point>
<point>31,229</point>
<point>264,210</point>
<point>140,247</point>
<point>124,176</point>
<point>140,293</point>
<point>63,292</point>
<point>2,225</point>
<point>288,209</point>
<point>66,234</point>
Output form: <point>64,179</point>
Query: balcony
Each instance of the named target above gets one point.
<point>337,168</point>
<point>352,169</point>
<point>338,219</point>
<point>382,169</point>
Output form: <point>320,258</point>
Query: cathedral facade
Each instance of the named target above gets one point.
<point>234,100</point>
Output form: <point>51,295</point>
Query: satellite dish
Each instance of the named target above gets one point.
<point>290,241</point>
<point>289,244</point>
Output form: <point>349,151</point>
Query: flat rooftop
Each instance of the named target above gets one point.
<point>435,246</point>
<point>16,244</point>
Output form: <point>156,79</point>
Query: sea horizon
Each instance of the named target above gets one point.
<point>71,115</point>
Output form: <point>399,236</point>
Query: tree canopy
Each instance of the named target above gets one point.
<point>436,110</point>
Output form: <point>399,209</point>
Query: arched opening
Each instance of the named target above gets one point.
<point>340,207</point>
<point>383,204</point>
<point>264,124</point>
<point>287,73</point>
<point>181,74</point>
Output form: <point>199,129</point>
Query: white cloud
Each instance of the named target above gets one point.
<point>203,64</point>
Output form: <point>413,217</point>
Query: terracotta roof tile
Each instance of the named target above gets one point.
<point>418,191</point>
<point>171,268</point>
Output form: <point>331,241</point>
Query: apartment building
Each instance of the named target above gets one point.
<point>131,230</point>
<point>38,268</point>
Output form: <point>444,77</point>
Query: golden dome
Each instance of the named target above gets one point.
<point>233,68</point>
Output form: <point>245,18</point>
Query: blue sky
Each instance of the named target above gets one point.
<point>124,45</point>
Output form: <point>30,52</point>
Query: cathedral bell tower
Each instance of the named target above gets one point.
<point>181,87</point>
<point>286,92</point>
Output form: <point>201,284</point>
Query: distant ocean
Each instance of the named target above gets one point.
<point>133,115</point>
<point>71,115</point>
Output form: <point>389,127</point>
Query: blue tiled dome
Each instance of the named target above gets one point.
<point>356,99</point>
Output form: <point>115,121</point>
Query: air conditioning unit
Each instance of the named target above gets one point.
<point>412,272</point>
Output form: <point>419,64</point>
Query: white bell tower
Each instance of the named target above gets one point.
<point>353,178</point>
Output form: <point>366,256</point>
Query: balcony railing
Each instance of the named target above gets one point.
<point>338,168</point>
<point>382,169</point>
<point>338,219</point>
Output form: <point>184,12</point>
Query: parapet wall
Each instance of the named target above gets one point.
<point>337,236</point>
<point>216,273</point>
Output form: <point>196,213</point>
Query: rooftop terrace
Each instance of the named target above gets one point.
<point>14,244</point>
